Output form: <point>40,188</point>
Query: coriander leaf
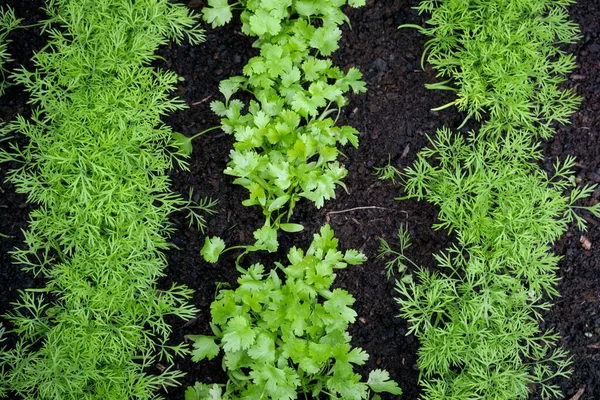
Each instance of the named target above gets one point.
<point>224,308</point>
<point>212,249</point>
<point>279,202</point>
<point>228,87</point>
<point>354,80</point>
<point>306,105</point>
<point>287,227</point>
<point>319,189</point>
<point>266,238</point>
<point>204,347</point>
<point>356,3</point>
<point>243,163</point>
<point>218,107</point>
<point>263,349</point>
<point>313,68</point>
<point>349,134</point>
<point>291,77</point>
<point>379,381</point>
<point>357,356</point>
<point>307,8</point>
<point>354,257</point>
<point>217,13</point>
<point>326,38</point>
<point>338,304</point>
<point>263,22</point>
<point>183,143</point>
<point>201,391</point>
<point>237,335</point>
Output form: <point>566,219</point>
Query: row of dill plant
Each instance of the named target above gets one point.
<point>477,316</point>
<point>8,22</point>
<point>95,164</point>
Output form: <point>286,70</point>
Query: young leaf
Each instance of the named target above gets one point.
<point>183,143</point>
<point>212,249</point>
<point>326,38</point>
<point>204,347</point>
<point>288,227</point>
<point>217,13</point>
<point>238,335</point>
<point>379,381</point>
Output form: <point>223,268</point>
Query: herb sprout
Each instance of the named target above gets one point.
<point>477,316</point>
<point>389,172</point>
<point>477,319</point>
<point>399,260</point>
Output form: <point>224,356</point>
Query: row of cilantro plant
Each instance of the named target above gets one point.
<point>477,317</point>
<point>95,164</point>
<point>283,331</point>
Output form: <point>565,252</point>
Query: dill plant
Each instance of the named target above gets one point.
<point>502,59</point>
<point>96,165</point>
<point>8,22</point>
<point>286,136</point>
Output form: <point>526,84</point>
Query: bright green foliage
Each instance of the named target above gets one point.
<point>285,337</point>
<point>286,137</point>
<point>96,164</point>
<point>483,311</point>
<point>8,22</point>
<point>503,57</point>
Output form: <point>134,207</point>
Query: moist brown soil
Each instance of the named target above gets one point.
<point>393,117</point>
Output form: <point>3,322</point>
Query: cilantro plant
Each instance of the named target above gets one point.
<point>502,60</point>
<point>8,22</point>
<point>96,165</point>
<point>286,136</point>
<point>285,336</point>
<point>477,319</point>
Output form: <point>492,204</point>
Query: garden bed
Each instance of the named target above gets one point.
<point>393,117</point>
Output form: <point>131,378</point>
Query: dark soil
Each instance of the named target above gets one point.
<point>393,118</point>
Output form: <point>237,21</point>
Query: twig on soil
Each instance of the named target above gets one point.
<point>356,209</point>
<point>202,101</point>
<point>578,394</point>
